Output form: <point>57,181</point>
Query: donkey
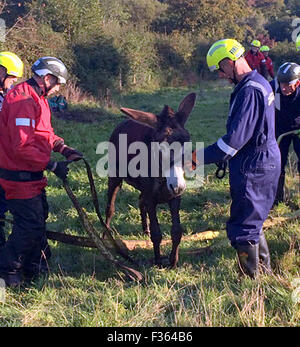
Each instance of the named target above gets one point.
<point>146,127</point>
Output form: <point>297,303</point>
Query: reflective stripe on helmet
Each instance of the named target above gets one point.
<point>288,73</point>
<point>226,48</point>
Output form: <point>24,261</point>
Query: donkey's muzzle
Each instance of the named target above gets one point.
<point>176,182</point>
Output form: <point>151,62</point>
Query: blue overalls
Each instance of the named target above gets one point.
<point>254,157</point>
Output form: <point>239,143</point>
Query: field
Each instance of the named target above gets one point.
<point>206,289</point>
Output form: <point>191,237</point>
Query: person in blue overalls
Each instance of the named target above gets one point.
<point>252,151</point>
<point>286,87</point>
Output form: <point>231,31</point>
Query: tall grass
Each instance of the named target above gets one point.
<point>206,289</point>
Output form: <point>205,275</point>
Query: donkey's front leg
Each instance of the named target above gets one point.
<point>155,232</point>
<point>176,231</point>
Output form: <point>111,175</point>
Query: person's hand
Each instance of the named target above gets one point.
<point>71,154</point>
<point>192,164</point>
<point>60,168</point>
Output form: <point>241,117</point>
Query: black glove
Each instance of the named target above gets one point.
<point>71,154</point>
<point>60,168</point>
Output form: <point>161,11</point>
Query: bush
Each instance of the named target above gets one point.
<point>174,57</point>
<point>284,51</point>
<point>31,40</point>
<point>98,65</point>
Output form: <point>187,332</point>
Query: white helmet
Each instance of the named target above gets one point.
<point>50,65</point>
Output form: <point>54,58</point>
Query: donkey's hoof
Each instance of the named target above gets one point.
<point>172,265</point>
<point>161,263</point>
<point>147,232</point>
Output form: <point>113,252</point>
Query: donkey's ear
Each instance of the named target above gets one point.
<point>185,108</point>
<point>144,118</point>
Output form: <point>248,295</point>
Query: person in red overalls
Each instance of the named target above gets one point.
<point>255,59</point>
<point>26,142</point>
<point>269,64</point>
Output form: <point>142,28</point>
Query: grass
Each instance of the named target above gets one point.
<point>82,289</point>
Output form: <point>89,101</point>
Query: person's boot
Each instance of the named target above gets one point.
<point>264,254</point>
<point>280,190</point>
<point>248,258</point>
<point>12,277</point>
<point>2,234</point>
<point>36,264</point>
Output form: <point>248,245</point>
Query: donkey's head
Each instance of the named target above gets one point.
<point>169,131</point>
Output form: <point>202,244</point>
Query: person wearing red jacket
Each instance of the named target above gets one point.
<point>269,64</point>
<point>11,68</point>
<point>255,59</point>
<point>26,142</point>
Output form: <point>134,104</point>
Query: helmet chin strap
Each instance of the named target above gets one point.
<point>234,79</point>
<point>46,89</point>
<point>2,81</point>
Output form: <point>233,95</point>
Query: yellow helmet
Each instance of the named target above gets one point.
<point>226,48</point>
<point>256,43</point>
<point>13,64</point>
<point>264,48</point>
<point>298,43</point>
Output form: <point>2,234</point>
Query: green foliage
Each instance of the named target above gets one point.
<point>143,12</point>
<point>138,47</point>
<point>293,7</point>
<point>97,65</point>
<point>36,40</point>
<point>270,8</point>
<point>283,52</point>
<point>13,9</point>
<point>113,46</point>
<point>174,53</point>
<point>281,29</point>
<point>207,17</point>
<point>73,18</point>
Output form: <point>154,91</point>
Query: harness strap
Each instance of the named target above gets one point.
<point>20,176</point>
<point>130,272</point>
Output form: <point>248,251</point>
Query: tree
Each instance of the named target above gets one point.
<point>69,17</point>
<point>13,10</point>
<point>210,18</point>
<point>293,7</point>
<point>143,12</point>
<point>31,40</point>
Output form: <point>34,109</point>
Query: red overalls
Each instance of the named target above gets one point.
<point>26,138</point>
<point>255,61</point>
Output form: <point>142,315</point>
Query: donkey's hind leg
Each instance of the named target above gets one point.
<point>114,185</point>
<point>144,217</point>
